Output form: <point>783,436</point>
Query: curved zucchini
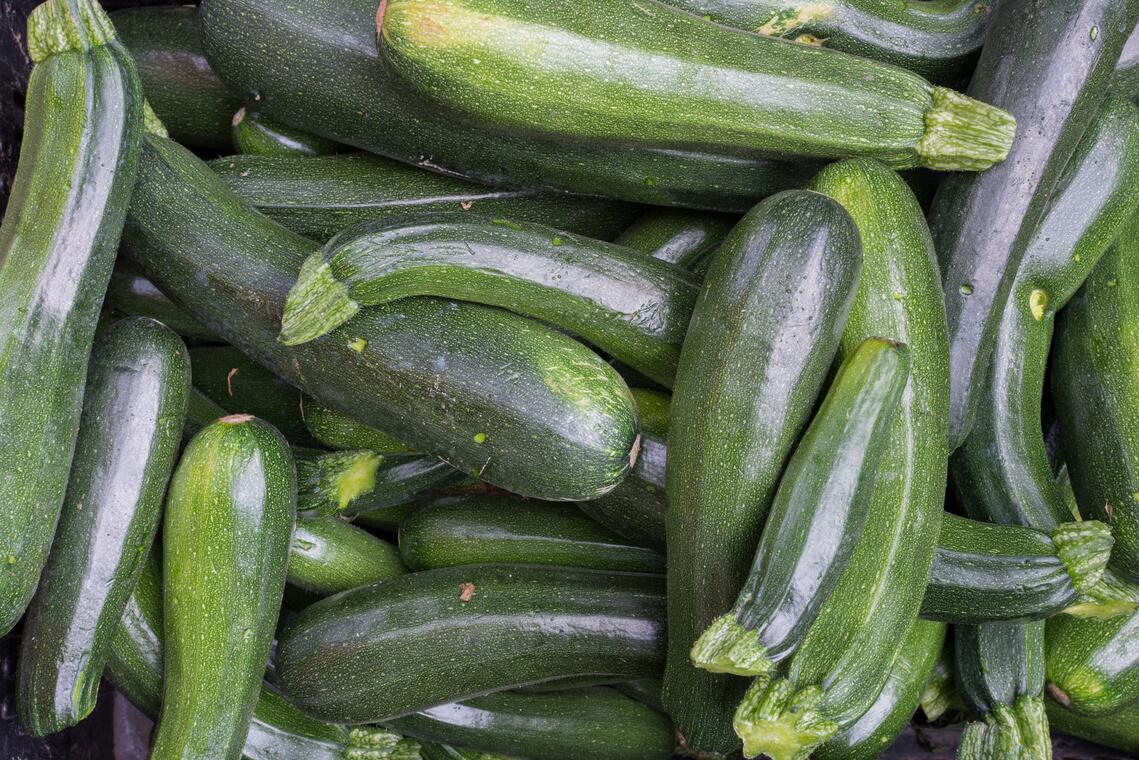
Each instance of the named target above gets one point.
<point>678,236</point>
<point>84,113</point>
<point>635,510</point>
<point>658,77</point>
<point>598,723</point>
<point>1119,729</point>
<point>506,529</point>
<point>132,294</point>
<point>352,482</point>
<point>755,357</point>
<point>1093,663</point>
<point>337,430</point>
<point>323,196</point>
<point>186,95</point>
<point>1002,470</point>
<point>327,556</point>
<point>129,435</point>
<point>366,655</point>
<point>495,394</point>
<point>631,306</point>
<point>1050,66</point>
<point>984,572</point>
<point>229,515</point>
<point>255,135</point>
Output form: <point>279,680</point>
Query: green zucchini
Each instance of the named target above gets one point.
<point>635,510</point>
<point>1050,66</point>
<point>1003,468</point>
<point>184,92</point>
<point>387,519</point>
<point>938,40</point>
<point>346,95</point>
<point>337,430</point>
<point>132,294</point>
<point>658,77</point>
<point>200,412</point>
<point>506,529</point>
<point>631,306</point>
<point>756,355</point>
<point>322,196</point>
<point>84,112</point>
<point>351,482</point>
<point>129,434</point>
<point>429,751</point>
<point>1125,80</point>
<point>225,540</point>
<point>1000,672</point>
<point>327,556</point>
<point>366,655</point>
<point>654,408</point>
<point>678,236</point>
<point>255,135</point>
<point>985,572</point>
<point>646,690</point>
<point>1093,663</point>
<point>522,406</point>
<point>598,723</point>
<point>940,693</point>
<point>1119,729</point>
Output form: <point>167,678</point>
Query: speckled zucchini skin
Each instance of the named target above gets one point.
<point>328,555</point>
<point>1119,729</point>
<point>336,430</point>
<point>1092,665</point>
<point>636,508</point>
<point>255,135</point>
<point>131,294</point>
<point>681,237</point>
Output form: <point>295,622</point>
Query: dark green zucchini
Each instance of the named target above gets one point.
<point>757,353</point>
<point>337,430</point>
<point>132,294</point>
<point>429,751</point>
<point>387,518</point>
<point>200,411</point>
<point>635,510</point>
<point>1093,663</point>
<point>225,545</point>
<point>985,572</point>
<point>598,723</point>
<point>1119,729</point>
<point>1002,469</point>
<point>631,306</point>
<point>1125,80</point>
<point>654,408</point>
<point>352,482</point>
<point>255,135</point>
<point>129,435</point>
<point>506,529</point>
<point>656,76</point>
<point>328,555</point>
<point>367,656</point>
<point>495,394</point>
<point>184,92</point>
<point>84,113</point>
<point>320,197</point>
<point>940,693</point>
<point>1050,66</point>
<point>681,237</point>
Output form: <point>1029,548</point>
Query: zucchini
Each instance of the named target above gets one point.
<point>1002,470</point>
<point>322,196</point>
<point>365,656</point>
<point>654,408</point>
<point>658,77</point>
<point>429,751</point>
<point>756,355</point>
<point>635,510</point>
<point>351,482</point>
<point>129,434</point>
<point>1125,80</point>
<point>1050,66</point>
<point>327,556</point>
<point>984,572</point>
<point>940,693</point>
<point>255,135</point>
<point>132,294</point>
<point>229,515</point>
<point>1119,730</point>
<point>200,412</point>
<point>1094,371</point>
<point>597,722</point>
<point>631,306</point>
<point>526,408</point>
<point>337,430</point>
<point>1092,664</point>
<point>57,245</point>
<point>506,529</point>
<point>678,236</point>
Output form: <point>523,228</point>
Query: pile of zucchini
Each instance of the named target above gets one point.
<point>608,379</point>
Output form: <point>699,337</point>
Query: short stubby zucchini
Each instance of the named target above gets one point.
<point>255,135</point>
<point>1092,664</point>
<point>678,236</point>
<point>131,294</point>
<point>350,482</point>
<point>328,555</point>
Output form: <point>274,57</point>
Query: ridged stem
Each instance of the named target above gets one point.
<point>151,124</point>
<point>727,647</point>
<point>317,304</point>
<point>372,743</point>
<point>1084,547</point>
<point>56,26</point>
<point>1019,732</point>
<point>963,134</point>
<point>779,721</point>
<point>1110,597</point>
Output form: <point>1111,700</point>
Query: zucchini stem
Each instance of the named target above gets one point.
<point>1020,731</point>
<point>317,304</point>
<point>1084,547</point>
<point>776,720</point>
<point>963,134</point>
<point>373,743</point>
<point>57,26</point>
<point>726,646</point>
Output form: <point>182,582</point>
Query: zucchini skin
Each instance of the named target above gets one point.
<point>505,529</point>
<point>540,399</point>
<point>595,722</point>
<point>354,482</point>
<point>1116,729</point>
<point>1125,80</point>
<point>678,236</point>
<point>254,44</point>
<point>1002,470</point>
<point>130,293</point>
<point>328,555</point>
<point>336,430</point>
<point>230,513</point>
<point>129,436</point>
<point>321,197</point>
<point>749,322</point>
<point>636,509</point>
<point>57,246</point>
<point>255,135</point>
<point>364,656</point>
<point>982,223</point>
<point>1092,663</point>
<point>200,412</point>
<point>631,306</point>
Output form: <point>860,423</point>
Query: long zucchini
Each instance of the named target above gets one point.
<point>84,113</point>
<point>494,394</point>
<point>225,540</point>
<point>366,656</point>
<point>327,556</point>
<point>336,430</point>
<point>598,723</point>
<point>351,482</point>
<point>1049,64</point>
<point>636,509</point>
<point>255,135</point>
<point>129,435</point>
<point>320,197</point>
<point>681,237</point>
<point>1092,664</point>
<point>755,357</point>
<point>132,294</point>
<point>505,529</point>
